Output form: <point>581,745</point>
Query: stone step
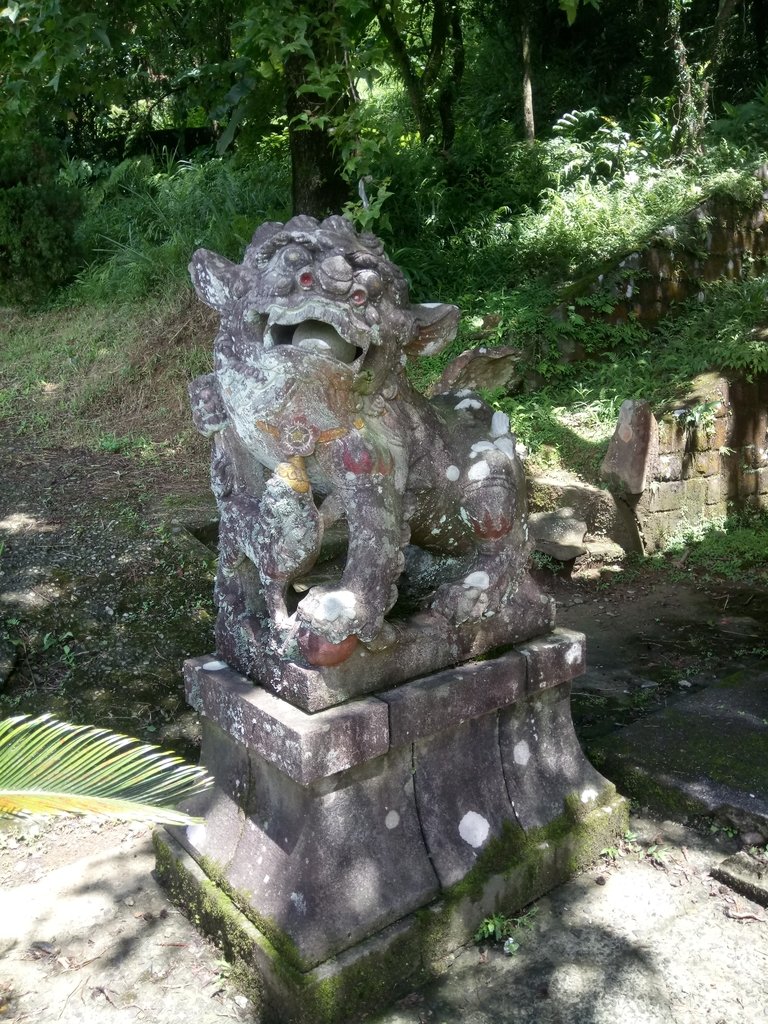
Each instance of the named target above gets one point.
<point>702,756</point>
<point>607,517</point>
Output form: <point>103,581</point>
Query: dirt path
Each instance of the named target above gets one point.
<point>102,595</point>
<point>86,934</point>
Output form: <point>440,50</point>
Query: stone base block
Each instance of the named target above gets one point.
<point>420,644</point>
<point>356,847</point>
<point>407,953</point>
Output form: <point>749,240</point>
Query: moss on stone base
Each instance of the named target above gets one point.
<point>213,913</point>
<point>513,870</point>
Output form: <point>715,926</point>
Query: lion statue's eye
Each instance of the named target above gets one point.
<point>371,282</point>
<point>296,256</point>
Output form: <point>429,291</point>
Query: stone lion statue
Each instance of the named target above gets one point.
<point>338,484</point>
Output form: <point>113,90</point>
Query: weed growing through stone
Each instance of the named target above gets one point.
<point>501,929</point>
<point>716,828</point>
<point>624,847</point>
<point>701,417</point>
<point>544,561</point>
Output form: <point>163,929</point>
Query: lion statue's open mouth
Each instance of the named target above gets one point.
<point>315,336</point>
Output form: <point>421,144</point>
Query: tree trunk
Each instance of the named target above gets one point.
<point>759,24</point>
<point>525,31</point>
<point>688,114</point>
<point>693,94</point>
<point>317,185</point>
<point>715,54</point>
<point>442,70</point>
<point>450,88</point>
<point>413,83</point>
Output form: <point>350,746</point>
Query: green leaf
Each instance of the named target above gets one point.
<point>229,132</point>
<point>102,36</point>
<point>37,59</point>
<point>571,8</point>
<point>52,767</point>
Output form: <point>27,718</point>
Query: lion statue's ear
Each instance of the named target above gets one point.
<point>437,323</point>
<point>214,278</point>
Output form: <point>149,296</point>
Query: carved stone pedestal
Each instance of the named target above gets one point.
<point>346,853</point>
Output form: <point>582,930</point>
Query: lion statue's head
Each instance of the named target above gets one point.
<point>324,288</point>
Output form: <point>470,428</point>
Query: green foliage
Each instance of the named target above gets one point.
<point>52,767</point>
<point>99,72</point>
<point>736,548</point>
<point>586,143</point>
<point>144,223</point>
<point>499,928</point>
<point>701,416</point>
<point>496,212</point>
<point>571,7</point>
<point>562,430</point>
<point>724,330</point>
<point>38,251</point>
<point>745,123</point>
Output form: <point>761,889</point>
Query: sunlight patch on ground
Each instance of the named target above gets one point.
<point>20,522</point>
<point>26,599</point>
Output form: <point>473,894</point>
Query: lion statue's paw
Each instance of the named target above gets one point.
<point>468,599</point>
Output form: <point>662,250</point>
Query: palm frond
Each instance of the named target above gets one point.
<point>53,767</point>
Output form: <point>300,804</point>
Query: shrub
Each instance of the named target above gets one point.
<point>38,216</point>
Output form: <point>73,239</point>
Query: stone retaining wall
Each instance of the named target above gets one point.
<point>685,464</point>
<point>720,239</point>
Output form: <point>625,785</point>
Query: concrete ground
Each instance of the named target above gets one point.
<point>647,936</point>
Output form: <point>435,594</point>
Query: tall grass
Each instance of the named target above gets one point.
<point>144,223</point>
<point>87,373</point>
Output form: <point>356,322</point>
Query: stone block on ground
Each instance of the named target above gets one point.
<point>634,448</point>
<point>602,549</point>
<point>322,867</point>
<point>604,513</point>
<point>704,755</point>
<point>401,956</point>
<point>487,368</point>
<point>745,873</point>
<point>559,534</point>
